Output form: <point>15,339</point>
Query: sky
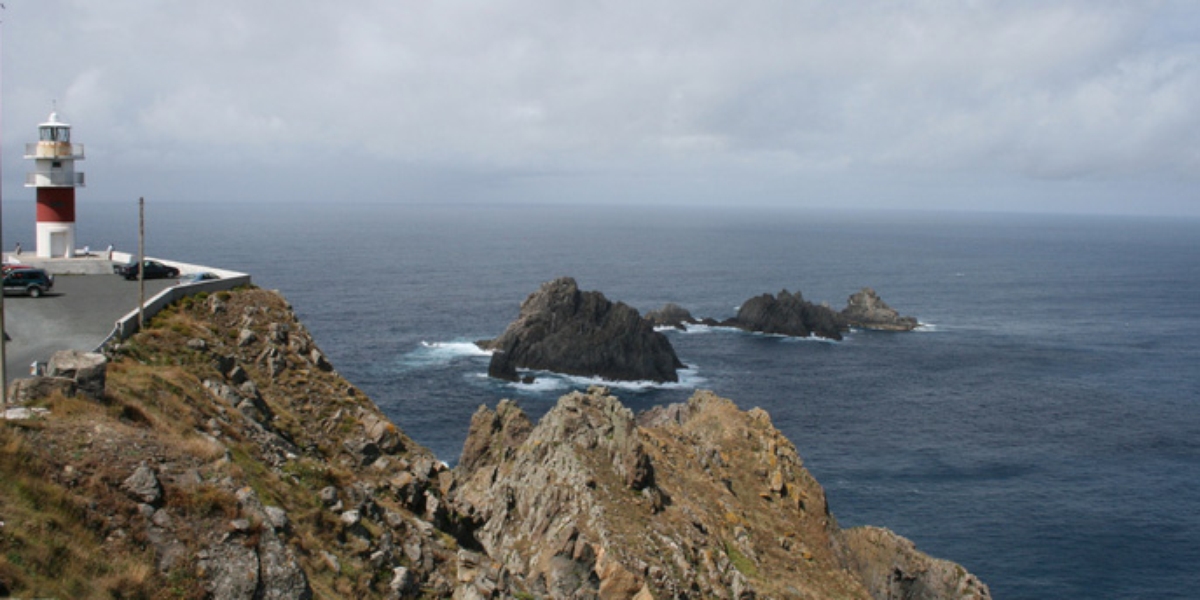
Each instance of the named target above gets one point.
<point>1047,106</point>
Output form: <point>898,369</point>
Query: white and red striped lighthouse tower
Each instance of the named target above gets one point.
<point>55,178</point>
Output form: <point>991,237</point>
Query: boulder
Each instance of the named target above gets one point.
<point>867,310</point>
<point>143,486</point>
<point>24,391</point>
<point>564,330</point>
<point>88,369</point>
<point>787,314</point>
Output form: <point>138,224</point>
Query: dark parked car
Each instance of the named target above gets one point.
<point>151,269</point>
<point>34,282</point>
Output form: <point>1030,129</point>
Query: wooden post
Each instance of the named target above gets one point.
<point>140,263</point>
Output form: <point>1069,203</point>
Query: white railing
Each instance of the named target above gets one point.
<point>128,325</point>
<point>54,179</point>
<point>54,150</point>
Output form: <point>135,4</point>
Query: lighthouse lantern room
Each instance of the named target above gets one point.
<point>55,179</point>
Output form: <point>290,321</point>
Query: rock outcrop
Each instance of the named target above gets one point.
<point>671,315</point>
<point>696,500</point>
<point>788,314</point>
<point>867,310</point>
<point>564,330</point>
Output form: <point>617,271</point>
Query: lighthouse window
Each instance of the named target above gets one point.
<point>54,134</point>
<point>56,164</point>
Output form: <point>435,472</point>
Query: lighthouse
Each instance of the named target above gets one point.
<point>55,179</point>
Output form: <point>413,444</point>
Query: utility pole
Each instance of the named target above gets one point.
<point>3,329</point>
<point>141,263</point>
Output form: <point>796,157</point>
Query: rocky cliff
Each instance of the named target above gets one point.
<point>698,500</point>
<point>565,330</point>
<point>218,454</point>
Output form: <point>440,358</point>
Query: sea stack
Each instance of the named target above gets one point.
<point>866,310</point>
<point>787,314</point>
<point>564,330</point>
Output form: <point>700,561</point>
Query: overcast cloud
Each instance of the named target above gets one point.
<point>1058,106</point>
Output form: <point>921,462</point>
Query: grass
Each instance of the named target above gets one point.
<point>740,562</point>
<point>70,532</point>
<point>50,546</point>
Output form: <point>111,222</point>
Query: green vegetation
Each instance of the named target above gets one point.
<point>740,562</point>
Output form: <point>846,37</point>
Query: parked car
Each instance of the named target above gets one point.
<point>151,269</point>
<point>6,267</point>
<point>197,277</point>
<point>33,282</point>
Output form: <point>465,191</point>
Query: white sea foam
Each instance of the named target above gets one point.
<point>788,338</point>
<point>436,354</point>
<point>543,383</point>
<point>550,382</point>
<point>693,328</point>
<point>456,348</point>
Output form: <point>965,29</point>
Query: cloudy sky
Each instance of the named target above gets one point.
<point>1063,106</point>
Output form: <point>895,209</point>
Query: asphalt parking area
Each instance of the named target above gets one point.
<point>78,314</point>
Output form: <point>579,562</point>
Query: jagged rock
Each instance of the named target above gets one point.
<point>670,315</point>
<point>867,310</point>
<point>281,577</point>
<point>222,392</point>
<point>88,369</point>
<point>739,516</point>
<point>318,360</point>
<point>383,433</point>
<point>787,314</point>
<point>891,567</point>
<point>277,517</point>
<point>329,496</point>
<point>564,330</point>
<point>538,492</point>
<point>494,432</point>
<point>246,337</point>
<point>230,570</point>
<point>24,391</point>
<point>402,582</point>
<point>143,486</point>
<point>237,375</point>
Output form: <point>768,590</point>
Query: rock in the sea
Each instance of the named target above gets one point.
<point>564,330</point>
<point>788,314</point>
<point>671,315</point>
<point>867,310</point>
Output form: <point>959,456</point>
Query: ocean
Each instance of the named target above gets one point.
<point>1042,427</point>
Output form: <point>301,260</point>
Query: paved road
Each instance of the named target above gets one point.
<point>77,315</point>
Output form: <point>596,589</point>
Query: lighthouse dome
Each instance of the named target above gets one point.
<point>53,121</point>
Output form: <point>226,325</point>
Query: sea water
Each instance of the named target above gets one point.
<point>1042,427</point>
